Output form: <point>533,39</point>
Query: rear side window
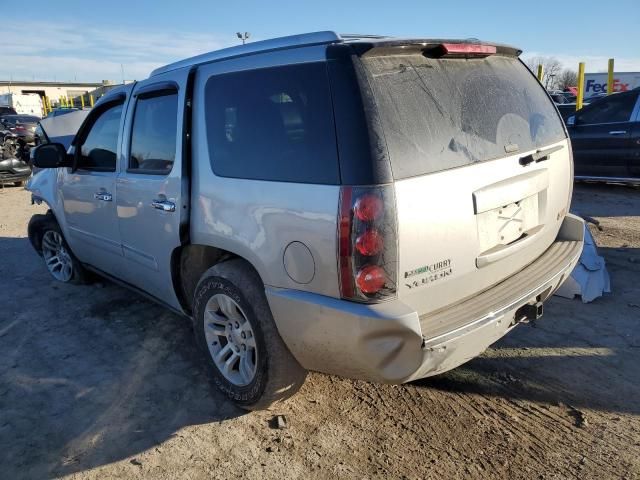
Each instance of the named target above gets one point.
<point>272,124</point>
<point>612,109</point>
<point>439,114</point>
<point>100,147</point>
<point>153,138</point>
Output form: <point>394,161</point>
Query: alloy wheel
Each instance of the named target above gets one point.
<point>56,256</point>
<point>230,339</point>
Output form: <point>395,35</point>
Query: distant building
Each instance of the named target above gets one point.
<point>55,90</point>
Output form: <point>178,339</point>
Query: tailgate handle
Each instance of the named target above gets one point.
<point>617,132</point>
<point>502,251</point>
<point>539,156</point>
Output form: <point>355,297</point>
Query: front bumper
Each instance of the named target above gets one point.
<point>388,342</point>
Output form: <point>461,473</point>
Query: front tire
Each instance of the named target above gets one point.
<point>47,238</point>
<point>234,327</point>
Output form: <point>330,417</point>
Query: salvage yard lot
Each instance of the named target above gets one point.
<point>96,382</point>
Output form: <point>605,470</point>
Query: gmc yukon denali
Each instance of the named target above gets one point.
<point>377,208</point>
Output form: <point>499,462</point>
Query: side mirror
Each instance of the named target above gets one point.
<point>50,155</point>
<point>571,121</point>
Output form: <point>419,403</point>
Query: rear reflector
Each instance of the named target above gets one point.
<point>467,49</point>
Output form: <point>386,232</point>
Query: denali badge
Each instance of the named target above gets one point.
<point>431,273</point>
<point>433,268</point>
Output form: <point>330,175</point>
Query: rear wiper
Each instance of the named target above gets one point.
<point>540,155</point>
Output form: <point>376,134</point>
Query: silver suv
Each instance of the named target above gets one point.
<point>371,207</point>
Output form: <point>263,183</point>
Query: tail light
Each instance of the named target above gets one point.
<point>367,243</point>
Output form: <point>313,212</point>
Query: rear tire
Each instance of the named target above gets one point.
<point>234,328</point>
<point>47,239</point>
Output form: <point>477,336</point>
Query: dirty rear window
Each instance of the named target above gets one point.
<point>438,114</point>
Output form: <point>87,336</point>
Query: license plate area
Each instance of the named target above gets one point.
<point>508,223</point>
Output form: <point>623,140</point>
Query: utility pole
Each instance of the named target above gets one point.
<point>243,36</point>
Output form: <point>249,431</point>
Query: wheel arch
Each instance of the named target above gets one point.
<point>188,264</point>
<point>34,229</point>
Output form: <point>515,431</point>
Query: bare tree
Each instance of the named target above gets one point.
<point>567,78</point>
<point>551,69</point>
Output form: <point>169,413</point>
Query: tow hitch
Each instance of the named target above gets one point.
<point>529,312</point>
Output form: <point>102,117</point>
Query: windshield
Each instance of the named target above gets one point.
<point>439,114</point>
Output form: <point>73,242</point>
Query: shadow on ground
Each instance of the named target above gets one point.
<point>90,374</point>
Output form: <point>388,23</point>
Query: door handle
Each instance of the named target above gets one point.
<point>104,196</point>
<point>617,132</point>
<point>164,205</point>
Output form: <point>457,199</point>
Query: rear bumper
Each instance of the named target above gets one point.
<point>390,343</point>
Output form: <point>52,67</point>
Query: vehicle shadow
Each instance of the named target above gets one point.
<point>90,374</point>
<point>585,355</point>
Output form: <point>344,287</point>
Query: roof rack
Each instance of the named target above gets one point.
<point>305,39</point>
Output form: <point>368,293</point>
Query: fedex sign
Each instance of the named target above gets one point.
<point>597,82</point>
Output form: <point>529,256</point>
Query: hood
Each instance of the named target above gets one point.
<point>63,128</point>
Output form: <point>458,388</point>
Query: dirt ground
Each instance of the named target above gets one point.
<point>96,382</point>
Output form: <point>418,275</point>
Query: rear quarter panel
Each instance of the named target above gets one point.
<point>258,219</point>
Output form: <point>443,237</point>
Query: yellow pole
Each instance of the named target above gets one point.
<point>91,100</point>
<point>580,86</point>
<point>610,78</point>
<point>540,72</point>
<point>82,101</point>
<point>71,102</point>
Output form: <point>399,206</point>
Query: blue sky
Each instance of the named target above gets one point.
<point>89,41</point>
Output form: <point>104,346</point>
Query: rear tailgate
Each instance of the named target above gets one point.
<point>473,206</point>
<point>461,231</point>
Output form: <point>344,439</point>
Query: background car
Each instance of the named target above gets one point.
<point>13,170</point>
<point>605,136</point>
<point>562,97</point>
<point>7,111</point>
<point>17,135</point>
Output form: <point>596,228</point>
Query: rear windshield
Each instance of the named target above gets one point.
<point>439,114</point>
